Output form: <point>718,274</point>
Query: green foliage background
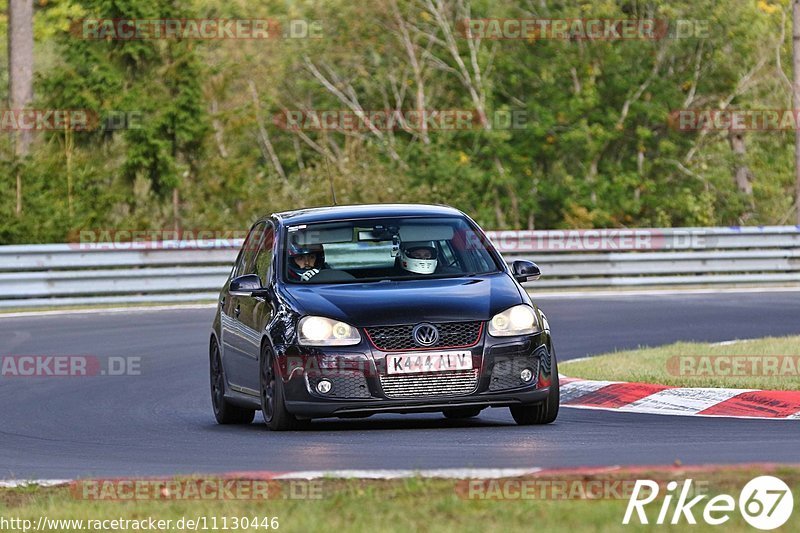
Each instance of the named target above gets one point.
<point>597,149</point>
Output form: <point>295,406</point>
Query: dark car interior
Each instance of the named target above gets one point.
<point>346,246</point>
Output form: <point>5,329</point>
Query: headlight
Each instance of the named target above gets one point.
<point>517,320</point>
<point>321,331</point>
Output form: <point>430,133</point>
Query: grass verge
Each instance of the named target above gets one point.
<point>772,363</point>
<point>417,504</point>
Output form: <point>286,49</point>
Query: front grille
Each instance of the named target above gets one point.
<point>345,384</point>
<point>451,335</point>
<point>451,383</point>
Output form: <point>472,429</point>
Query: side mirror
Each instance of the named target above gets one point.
<point>247,285</point>
<point>525,271</point>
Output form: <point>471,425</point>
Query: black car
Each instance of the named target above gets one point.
<point>349,311</point>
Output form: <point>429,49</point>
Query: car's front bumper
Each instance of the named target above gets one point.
<point>362,386</point>
<point>345,408</point>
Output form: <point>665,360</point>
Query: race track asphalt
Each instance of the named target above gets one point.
<point>160,422</point>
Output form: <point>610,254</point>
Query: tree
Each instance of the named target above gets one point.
<point>796,101</point>
<point>20,79</point>
<point>159,80</point>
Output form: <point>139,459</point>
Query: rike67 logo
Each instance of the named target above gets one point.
<point>765,503</point>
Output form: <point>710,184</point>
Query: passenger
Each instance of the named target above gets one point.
<point>305,261</point>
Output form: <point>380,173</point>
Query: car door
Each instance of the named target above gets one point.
<point>256,311</point>
<point>234,336</point>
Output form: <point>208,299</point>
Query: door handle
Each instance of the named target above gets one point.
<point>236,311</point>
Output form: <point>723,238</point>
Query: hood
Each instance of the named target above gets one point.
<point>408,302</point>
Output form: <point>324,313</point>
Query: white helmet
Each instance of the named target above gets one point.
<point>419,258</point>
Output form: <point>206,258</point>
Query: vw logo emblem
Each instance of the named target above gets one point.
<point>425,334</point>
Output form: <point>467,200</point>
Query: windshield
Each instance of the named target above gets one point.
<point>385,249</point>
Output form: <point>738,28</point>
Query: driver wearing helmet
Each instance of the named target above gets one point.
<point>418,258</point>
<point>305,261</point>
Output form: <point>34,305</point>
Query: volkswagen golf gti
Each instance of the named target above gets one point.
<point>350,311</point>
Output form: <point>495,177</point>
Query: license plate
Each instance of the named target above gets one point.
<point>428,362</point>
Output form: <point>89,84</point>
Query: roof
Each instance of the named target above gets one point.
<point>345,212</point>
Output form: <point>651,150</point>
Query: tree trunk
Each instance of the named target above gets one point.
<point>176,218</point>
<point>742,174</point>
<point>69,148</point>
<point>796,100</point>
<point>20,74</point>
<point>498,210</point>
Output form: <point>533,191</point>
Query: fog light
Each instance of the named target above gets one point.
<point>526,375</point>
<point>324,386</point>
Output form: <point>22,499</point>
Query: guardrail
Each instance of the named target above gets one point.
<point>176,271</point>
<point>647,257</point>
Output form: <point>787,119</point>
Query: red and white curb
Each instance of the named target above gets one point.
<point>663,400</point>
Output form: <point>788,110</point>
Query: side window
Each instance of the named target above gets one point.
<point>246,262</point>
<point>264,255</point>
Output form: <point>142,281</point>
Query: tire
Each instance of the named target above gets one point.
<point>273,404</point>
<point>543,412</point>
<point>224,411</point>
<point>460,413</point>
